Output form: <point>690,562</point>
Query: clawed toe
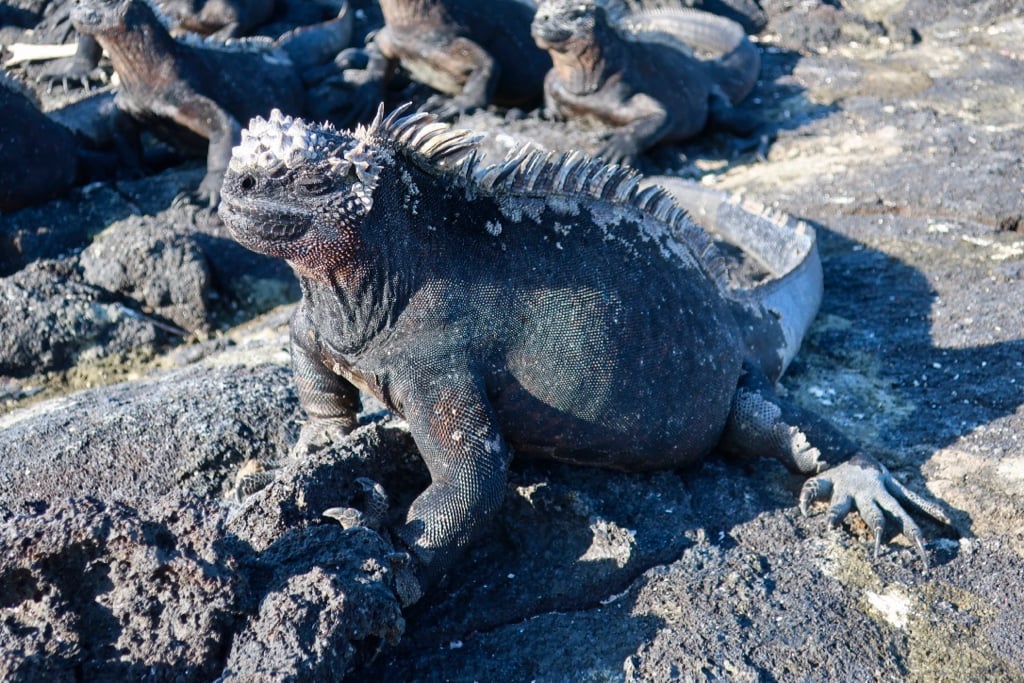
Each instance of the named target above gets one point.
<point>866,485</point>
<point>372,517</point>
<point>252,476</point>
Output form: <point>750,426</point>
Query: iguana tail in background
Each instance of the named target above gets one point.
<point>736,60</point>
<point>309,46</point>
<point>785,247</point>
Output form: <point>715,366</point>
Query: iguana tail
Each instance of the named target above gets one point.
<point>309,46</point>
<point>778,311</point>
<point>747,13</point>
<point>735,60</point>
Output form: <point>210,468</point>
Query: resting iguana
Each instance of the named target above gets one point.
<point>473,51</point>
<point>545,305</point>
<point>222,18</point>
<point>637,73</point>
<point>191,91</point>
<point>38,156</point>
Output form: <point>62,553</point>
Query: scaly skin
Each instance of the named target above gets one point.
<point>221,18</point>
<point>545,306</point>
<point>638,75</point>
<point>38,157</point>
<point>473,51</point>
<point>190,91</point>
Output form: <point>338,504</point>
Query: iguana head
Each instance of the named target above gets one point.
<point>293,187</point>
<point>568,26</point>
<point>101,16</point>
<point>302,191</point>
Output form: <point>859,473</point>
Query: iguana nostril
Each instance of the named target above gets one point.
<point>247,183</point>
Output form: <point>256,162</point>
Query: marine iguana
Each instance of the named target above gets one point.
<point>220,18</point>
<point>545,305</point>
<point>637,73</point>
<point>188,91</point>
<point>38,156</point>
<point>475,52</point>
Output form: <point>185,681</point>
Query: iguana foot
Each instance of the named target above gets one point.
<point>617,149</point>
<point>764,424</point>
<point>376,508</point>
<point>447,108</point>
<point>865,484</point>
<point>70,73</point>
<point>320,433</point>
<point>252,476</point>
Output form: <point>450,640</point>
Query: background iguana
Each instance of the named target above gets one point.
<point>546,305</point>
<point>195,92</point>
<point>637,72</point>
<point>38,156</point>
<point>222,18</point>
<point>475,52</point>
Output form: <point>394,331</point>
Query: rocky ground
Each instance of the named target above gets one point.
<point>143,359</point>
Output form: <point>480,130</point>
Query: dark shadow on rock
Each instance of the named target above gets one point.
<point>883,312</point>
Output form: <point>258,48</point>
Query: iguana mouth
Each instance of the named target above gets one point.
<point>548,37</point>
<point>246,221</point>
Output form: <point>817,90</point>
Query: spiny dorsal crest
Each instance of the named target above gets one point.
<point>571,175</point>
<point>440,149</point>
<point>266,143</point>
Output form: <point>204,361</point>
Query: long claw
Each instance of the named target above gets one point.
<point>376,508</point>
<point>921,552</point>
<point>815,488</point>
<point>866,484</point>
<point>347,517</point>
<point>838,512</point>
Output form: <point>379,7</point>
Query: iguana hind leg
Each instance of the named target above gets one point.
<point>762,423</point>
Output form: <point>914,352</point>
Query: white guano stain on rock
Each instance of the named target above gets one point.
<point>893,605</point>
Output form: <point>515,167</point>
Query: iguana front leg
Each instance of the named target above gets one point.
<point>762,423</point>
<point>205,117</point>
<point>456,431</point>
<point>331,404</point>
<point>639,120</point>
<point>330,401</point>
<point>641,123</point>
<point>83,68</point>
<point>463,61</point>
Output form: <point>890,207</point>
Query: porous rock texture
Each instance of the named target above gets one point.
<point>895,127</point>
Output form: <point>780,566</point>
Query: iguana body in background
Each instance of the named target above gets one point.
<point>475,52</point>
<point>38,156</point>
<point>637,72</point>
<point>546,305</point>
<point>221,18</point>
<point>194,92</point>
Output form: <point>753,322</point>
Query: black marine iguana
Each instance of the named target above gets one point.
<point>474,51</point>
<point>190,90</point>
<point>220,18</point>
<point>637,72</point>
<point>545,305</point>
<point>38,156</point>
